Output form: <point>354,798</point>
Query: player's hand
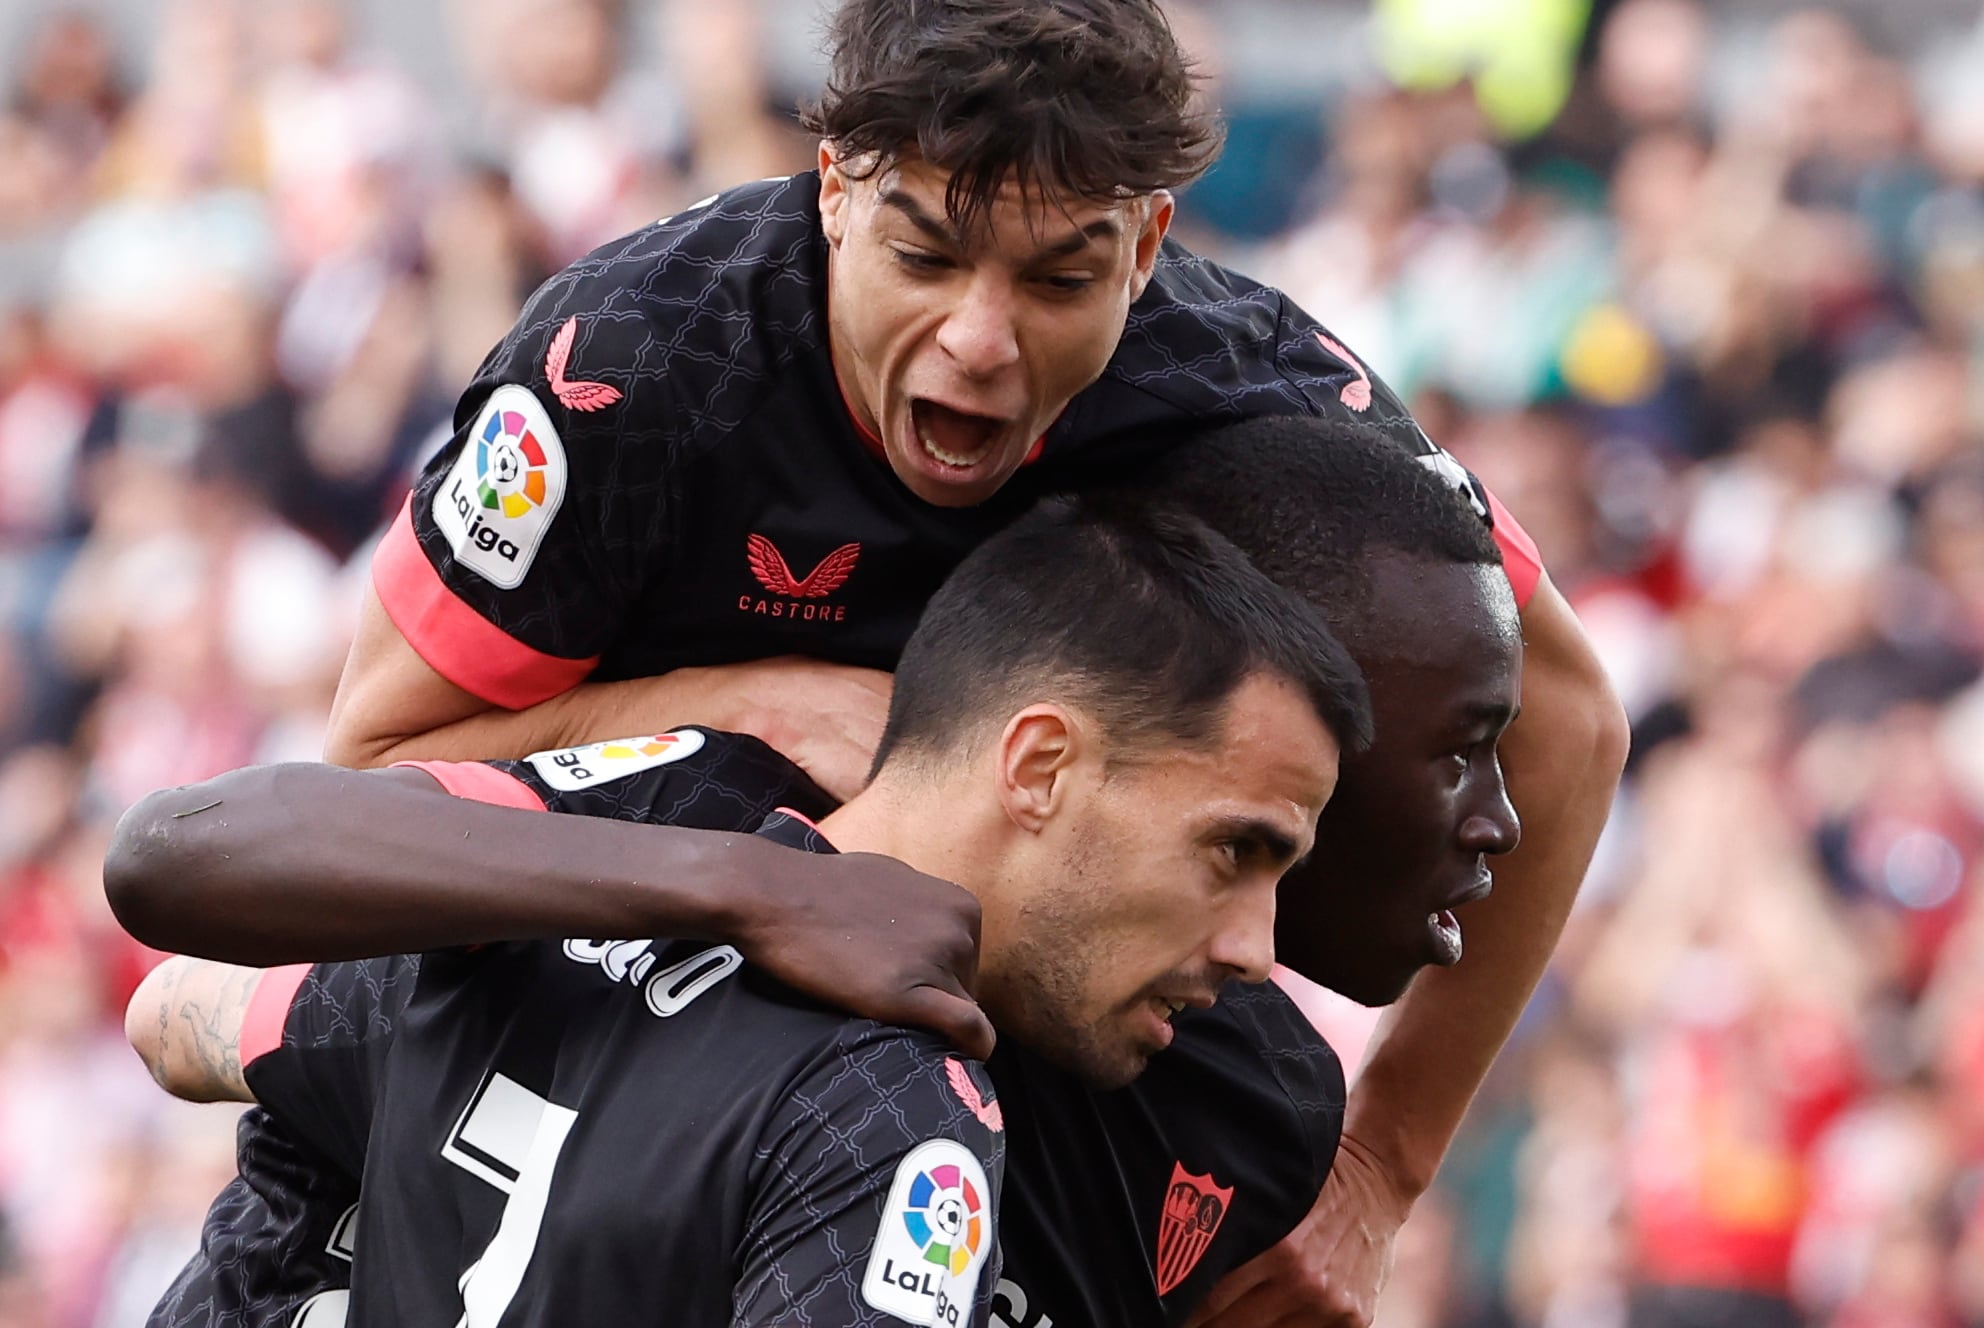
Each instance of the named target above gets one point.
<point>873,936</point>
<point>825,718</point>
<point>1328,1272</point>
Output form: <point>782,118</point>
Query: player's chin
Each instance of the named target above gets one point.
<point>1382,976</point>
<point>1118,1071</point>
<point>1107,1062</point>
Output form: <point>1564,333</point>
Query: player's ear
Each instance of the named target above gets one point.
<point>1157,211</point>
<point>1036,757</point>
<point>833,195</point>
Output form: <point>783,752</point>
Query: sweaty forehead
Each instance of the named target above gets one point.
<point>1449,616</point>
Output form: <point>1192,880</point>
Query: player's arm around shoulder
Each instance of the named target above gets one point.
<point>875,1192</point>
<point>511,567</point>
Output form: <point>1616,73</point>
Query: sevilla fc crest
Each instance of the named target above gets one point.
<point>1193,1209</point>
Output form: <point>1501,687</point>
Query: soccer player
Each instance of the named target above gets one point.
<point>1243,1095</point>
<point>766,428</point>
<point>1110,728</point>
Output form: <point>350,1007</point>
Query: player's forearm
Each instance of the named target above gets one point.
<point>392,705</point>
<point>291,863</point>
<point>587,713</point>
<point>1563,758</point>
<point>184,1021</point>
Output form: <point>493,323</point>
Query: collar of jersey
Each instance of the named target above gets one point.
<point>792,829</point>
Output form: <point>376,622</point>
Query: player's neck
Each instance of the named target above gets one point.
<point>925,827</point>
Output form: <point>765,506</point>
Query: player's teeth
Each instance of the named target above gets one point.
<point>948,458</point>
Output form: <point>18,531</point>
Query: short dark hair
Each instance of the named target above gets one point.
<point>1088,97</point>
<point>1141,616</point>
<point>1311,499</point>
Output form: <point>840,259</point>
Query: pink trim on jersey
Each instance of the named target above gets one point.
<point>479,783</point>
<point>1347,1026</point>
<point>457,642</point>
<point>268,1011</point>
<point>1519,556</point>
<point>798,816</point>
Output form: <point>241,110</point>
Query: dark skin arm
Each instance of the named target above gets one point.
<point>282,864</point>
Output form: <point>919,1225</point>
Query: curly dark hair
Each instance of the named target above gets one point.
<point>1085,97</point>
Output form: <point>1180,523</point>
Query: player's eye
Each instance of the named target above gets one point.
<point>920,260</point>
<point>1063,284</point>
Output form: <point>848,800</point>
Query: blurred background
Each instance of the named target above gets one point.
<point>1697,288</point>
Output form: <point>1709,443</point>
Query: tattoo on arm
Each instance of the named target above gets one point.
<point>200,1009</point>
<point>215,1029</point>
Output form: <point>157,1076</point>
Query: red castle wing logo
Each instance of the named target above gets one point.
<point>1193,1209</point>
<point>579,395</point>
<point>989,1113</point>
<point>768,565</point>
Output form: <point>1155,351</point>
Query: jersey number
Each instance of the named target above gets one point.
<point>511,1138</point>
<point>329,1308</point>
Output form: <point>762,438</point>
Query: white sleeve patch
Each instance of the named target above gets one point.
<point>1442,463</point>
<point>499,497</point>
<point>570,769</point>
<point>935,1239</point>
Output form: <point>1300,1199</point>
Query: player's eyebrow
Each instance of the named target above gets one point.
<point>1103,228</point>
<point>902,202</point>
<point>1497,715</point>
<point>1265,836</point>
<point>1069,245</point>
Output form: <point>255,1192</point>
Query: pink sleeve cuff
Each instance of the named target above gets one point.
<point>1519,556</point>
<point>479,783</point>
<point>457,642</point>
<point>268,1011</point>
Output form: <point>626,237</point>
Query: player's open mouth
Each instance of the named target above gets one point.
<point>1443,928</point>
<point>954,439</point>
<point>1160,1012</point>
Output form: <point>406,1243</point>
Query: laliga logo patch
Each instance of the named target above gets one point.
<point>935,1237</point>
<point>571,769</point>
<point>498,499</point>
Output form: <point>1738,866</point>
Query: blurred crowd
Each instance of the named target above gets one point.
<point>1714,340</point>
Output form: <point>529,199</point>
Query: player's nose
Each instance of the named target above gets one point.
<point>980,333</point>
<point>1244,942</point>
<point>1491,826</point>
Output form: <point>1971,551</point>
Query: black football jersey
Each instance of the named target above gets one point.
<point>1126,1208</point>
<point>626,1131</point>
<point>275,1248</point>
<point>1248,1100</point>
<point>656,467</point>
